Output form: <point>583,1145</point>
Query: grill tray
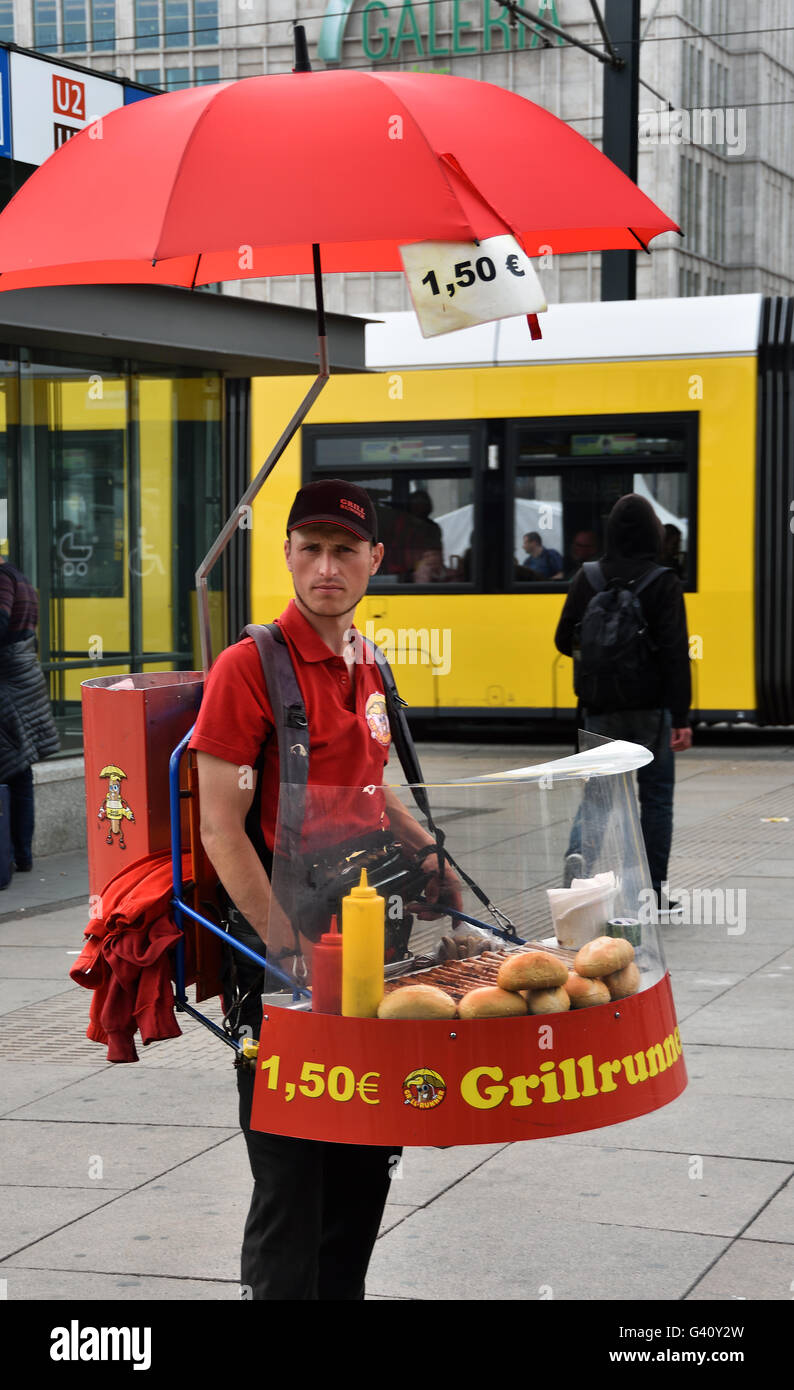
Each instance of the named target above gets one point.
<point>457,977</point>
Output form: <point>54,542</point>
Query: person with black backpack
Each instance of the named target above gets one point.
<point>624,624</point>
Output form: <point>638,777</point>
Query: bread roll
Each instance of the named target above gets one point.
<point>491,1002</point>
<point>548,1001</point>
<point>532,970</point>
<point>623,982</point>
<point>603,956</point>
<point>583,994</point>
<point>417,1001</point>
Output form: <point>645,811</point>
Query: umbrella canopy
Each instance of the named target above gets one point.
<point>239,179</point>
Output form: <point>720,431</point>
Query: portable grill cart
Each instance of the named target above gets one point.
<point>372,1081</point>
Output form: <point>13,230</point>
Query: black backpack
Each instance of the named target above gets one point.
<point>614,647</point>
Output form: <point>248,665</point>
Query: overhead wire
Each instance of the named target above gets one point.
<point>693,33</point>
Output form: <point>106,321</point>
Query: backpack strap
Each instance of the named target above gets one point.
<point>594,575</point>
<point>289,713</point>
<point>648,577</point>
<point>292,734</point>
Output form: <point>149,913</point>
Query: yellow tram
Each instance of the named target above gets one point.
<point>471,443</point>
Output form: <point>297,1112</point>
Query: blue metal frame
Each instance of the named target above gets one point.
<point>182,910</point>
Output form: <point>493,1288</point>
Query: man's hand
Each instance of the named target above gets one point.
<point>681,739</point>
<point>441,891</point>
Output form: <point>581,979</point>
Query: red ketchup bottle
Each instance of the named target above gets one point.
<point>327,972</point>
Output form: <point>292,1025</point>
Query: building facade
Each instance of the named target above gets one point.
<point>716,138</point>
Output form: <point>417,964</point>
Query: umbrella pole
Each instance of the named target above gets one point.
<point>239,514</point>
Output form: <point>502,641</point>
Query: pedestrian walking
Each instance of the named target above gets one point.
<point>316,1206</point>
<point>624,623</point>
<point>27,728</point>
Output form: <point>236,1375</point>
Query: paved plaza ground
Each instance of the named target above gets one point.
<point>625,1212</point>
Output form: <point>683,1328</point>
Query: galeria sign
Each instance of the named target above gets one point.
<point>456,284</point>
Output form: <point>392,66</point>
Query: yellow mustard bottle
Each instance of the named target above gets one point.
<point>363,933</point>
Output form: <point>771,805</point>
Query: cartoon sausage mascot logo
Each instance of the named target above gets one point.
<point>114,808</point>
<point>377,719</point>
<point>424,1089</point>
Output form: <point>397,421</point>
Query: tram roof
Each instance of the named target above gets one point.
<point>702,326</point>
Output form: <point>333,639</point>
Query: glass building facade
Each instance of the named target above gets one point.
<point>111,492</point>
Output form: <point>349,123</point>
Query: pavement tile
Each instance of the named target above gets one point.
<point>697,1123</point>
<point>37,963</point>
<point>425,1173</point>
<point>739,1071</point>
<point>190,1235</point>
<point>15,994</point>
<point>392,1217</point>
<point>751,1270</point>
<point>59,1285</point>
<point>735,955</point>
<point>29,1213</point>
<point>64,927</point>
<point>137,1095</point>
<point>473,1247</point>
<point>64,1156</point>
<point>767,899</point>
<point>225,1164</point>
<point>757,1012</point>
<point>23,1082</point>
<point>661,1190</point>
<point>694,988</point>
<point>776,1221</point>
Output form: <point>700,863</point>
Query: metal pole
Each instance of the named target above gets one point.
<point>619,139</point>
<point>239,514</point>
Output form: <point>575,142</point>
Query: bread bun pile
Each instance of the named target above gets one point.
<point>603,956</point>
<point>489,1001</point>
<point>583,994</point>
<point>603,969</point>
<point>417,1001</point>
<point>532,970</point>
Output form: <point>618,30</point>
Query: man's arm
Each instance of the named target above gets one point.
<point>224,807</point>
<point>413,836</point>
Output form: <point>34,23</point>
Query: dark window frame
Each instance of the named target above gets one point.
<point>476,429</point>
<point>656,422</point>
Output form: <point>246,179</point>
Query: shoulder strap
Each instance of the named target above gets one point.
<point>649,576</point>
<point>289,713</point>
<point>594,575</point>
<point>400,732</point>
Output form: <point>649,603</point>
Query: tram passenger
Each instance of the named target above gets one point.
<point>542,562</point>
<point>316,1206</point>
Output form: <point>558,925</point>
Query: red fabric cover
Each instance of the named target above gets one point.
<point>125,958</point>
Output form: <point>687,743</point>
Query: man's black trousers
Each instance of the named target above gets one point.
<point>314,1215</point>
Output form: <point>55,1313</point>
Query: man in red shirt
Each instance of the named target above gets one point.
<point>316,1207</point>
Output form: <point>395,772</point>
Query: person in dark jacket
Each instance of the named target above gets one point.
<point>659,717</point>
<point>27,728</point>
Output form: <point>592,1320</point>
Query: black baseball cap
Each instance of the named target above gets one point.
<point>333,502</point>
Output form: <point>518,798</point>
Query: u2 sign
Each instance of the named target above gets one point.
<point>458,284</point>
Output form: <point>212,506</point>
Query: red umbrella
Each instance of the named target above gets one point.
<point>240,179</point>
<point>252,178</point>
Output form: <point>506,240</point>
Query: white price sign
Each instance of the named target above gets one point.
<point>455,284</point>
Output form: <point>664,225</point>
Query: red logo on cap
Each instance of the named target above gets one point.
<point>353,507</point>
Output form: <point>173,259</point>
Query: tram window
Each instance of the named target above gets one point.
<point>559,519</point>
<point>424,490</point>
<point>343,452</point>
<point>426,524</point>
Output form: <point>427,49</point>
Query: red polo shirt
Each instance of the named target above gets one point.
<point>348,730</point>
